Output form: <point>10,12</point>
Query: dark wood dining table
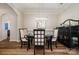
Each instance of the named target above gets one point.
<point>47,37</point>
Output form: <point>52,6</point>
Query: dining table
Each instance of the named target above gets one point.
<point>47,37</point>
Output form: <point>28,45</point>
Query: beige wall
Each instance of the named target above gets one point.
<point>30,20</point>
<point>71,13</point>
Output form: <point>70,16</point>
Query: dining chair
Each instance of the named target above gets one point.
<point>23,37</point>
<point>39,39</point>
<point>54,38</point>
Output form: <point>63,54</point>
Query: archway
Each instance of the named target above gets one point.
<point>9,22</point>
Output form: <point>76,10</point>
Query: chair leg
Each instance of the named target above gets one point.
<point>34,50</point>
<point>21,45</point>
<point>27,48</point>
<point>43,50</point>
<point>51,46</point>
<point>56,44</point>
<point>31,41</point>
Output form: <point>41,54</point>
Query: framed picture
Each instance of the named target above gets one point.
<point>6,26</point>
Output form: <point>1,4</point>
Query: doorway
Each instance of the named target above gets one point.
<point>8,27</point>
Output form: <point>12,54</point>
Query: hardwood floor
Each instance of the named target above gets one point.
<point>13,48</point>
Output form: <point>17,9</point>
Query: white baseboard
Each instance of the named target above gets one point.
<point>1,40</point>
<point>15,40</point>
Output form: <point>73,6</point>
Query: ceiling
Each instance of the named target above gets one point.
<point>54,8</point>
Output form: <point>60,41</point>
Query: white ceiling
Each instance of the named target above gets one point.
<point>54,8</point>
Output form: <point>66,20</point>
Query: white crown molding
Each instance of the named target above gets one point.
<point>29,9</point>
